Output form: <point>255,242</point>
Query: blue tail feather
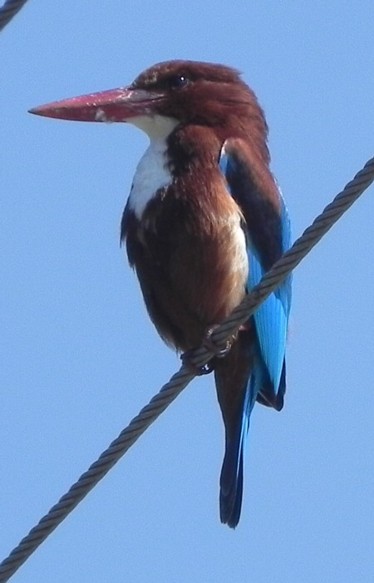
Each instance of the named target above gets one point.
<point>231,493</point>
<point>231,481</point>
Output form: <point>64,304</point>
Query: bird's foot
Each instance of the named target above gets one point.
<point>195,368</point>
<point>209,344</point>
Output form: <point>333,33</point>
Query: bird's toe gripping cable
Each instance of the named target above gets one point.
<point>209,344</point>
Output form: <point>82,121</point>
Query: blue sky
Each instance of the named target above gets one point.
<point>79,357</point>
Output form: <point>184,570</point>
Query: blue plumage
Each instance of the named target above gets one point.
<point>271,319</point>
<point>266,372</point>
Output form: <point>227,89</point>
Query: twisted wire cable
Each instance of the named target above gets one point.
<point>180,380</point>
<point>300,248</point>
<point>9,10</point>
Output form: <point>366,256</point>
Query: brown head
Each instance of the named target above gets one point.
<point>185,92</point>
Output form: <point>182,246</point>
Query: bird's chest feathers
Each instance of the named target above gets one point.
<point>187,241</point>
<point>190,220</point>
<point>198,249</point>
<point>152,174</point>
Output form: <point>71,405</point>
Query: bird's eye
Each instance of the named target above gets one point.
<point>177,81</point>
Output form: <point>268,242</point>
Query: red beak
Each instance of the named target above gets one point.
<point>108,106</point>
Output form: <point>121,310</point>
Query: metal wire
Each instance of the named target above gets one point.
<point>301,247</point>
<point>180,380</point>
<point>9,10</point>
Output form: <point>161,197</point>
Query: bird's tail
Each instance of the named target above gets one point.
<point>231,481</point>
<point>237,381</point>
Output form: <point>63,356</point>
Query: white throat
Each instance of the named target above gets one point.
<point>152,172</point>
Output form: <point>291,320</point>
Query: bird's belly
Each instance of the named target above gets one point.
<point>206,279</point>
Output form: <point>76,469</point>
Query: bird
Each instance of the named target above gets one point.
<point>204,221</point>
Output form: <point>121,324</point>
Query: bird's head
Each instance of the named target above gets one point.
<point>171,94</point>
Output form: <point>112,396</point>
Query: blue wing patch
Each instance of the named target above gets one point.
<point>271,319</point>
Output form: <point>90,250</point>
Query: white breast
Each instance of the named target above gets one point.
<point>151,174</point>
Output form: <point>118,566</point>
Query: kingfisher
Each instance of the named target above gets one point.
<point>204,221</point>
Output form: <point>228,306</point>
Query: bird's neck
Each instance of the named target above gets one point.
<point>187,150</point>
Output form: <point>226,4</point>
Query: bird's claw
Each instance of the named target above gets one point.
<point>194,368</point>
<point>210,345</point>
